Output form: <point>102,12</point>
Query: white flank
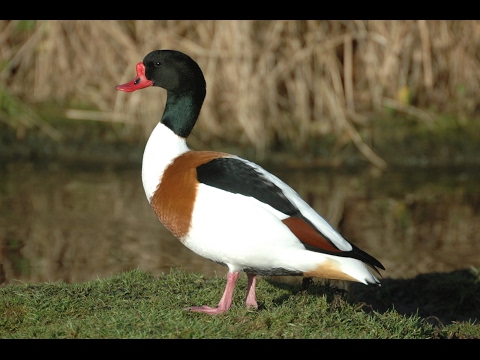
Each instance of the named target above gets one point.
<point>241,232</point>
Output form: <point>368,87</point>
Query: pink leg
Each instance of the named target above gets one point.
<point>251,300</point>
<point>225,301</point>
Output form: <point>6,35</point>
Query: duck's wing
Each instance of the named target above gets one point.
<point>239,176</point>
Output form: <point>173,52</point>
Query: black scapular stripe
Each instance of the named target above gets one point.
<point>235,176</point>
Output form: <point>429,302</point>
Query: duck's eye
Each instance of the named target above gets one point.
<point>158,63</point>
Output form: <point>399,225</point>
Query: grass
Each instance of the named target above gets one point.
<point>135,304</point>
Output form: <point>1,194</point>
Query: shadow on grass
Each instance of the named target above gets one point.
<point>439,298</point>
<point>335,295</point>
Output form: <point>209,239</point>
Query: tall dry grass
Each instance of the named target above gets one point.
<point>267,81</point>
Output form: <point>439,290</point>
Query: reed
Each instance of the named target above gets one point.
<point>268,82</point>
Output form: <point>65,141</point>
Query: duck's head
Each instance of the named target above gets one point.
<point>184,82</point>
<point>169,69</point>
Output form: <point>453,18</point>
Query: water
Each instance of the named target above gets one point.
<point>75,223</point>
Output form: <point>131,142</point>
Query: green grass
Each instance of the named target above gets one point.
<point>139,305</point>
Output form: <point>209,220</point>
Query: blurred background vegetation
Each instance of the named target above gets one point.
<point>271,85</point>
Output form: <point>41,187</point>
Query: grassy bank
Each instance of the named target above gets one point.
<point>137,305</point>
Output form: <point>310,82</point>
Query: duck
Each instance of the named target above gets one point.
<point>226,208</point>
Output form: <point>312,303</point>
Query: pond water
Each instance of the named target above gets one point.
<point>77,223</point>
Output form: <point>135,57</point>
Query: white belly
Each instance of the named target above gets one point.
<point>241,232</point>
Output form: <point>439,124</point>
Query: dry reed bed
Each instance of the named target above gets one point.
<point>267,81</point>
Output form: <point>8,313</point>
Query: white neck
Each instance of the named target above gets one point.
<point>162,147</point>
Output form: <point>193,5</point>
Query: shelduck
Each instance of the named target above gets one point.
<point>228,209</point>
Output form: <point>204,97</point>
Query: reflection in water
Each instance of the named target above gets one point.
<point>80,224</point>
